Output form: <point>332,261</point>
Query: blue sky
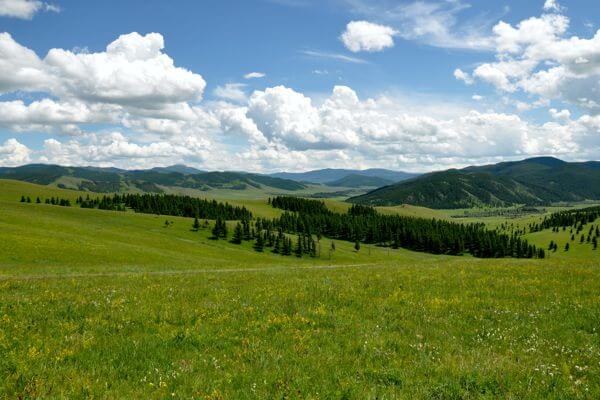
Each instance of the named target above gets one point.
<point>415,85</point>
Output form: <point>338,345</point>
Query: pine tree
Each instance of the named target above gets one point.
<point>237,234</point>
<point>567,247</point>
<point>38,201</point>
<point>287,246</point>
<point>196,225</point>
<point>357,246</point>
<point>224,231</point>
<point>277,246</point>
<point>259,245</point>
<point>299,250</point>
<point>23,200</point>
<point>216,231</point>
<point>28,199</point>
<point>313,248</point>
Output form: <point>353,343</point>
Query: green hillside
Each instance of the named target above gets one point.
<point>116,305</point>
<point>357,181</point>
<point>531,182</point>
<point>107,180</point>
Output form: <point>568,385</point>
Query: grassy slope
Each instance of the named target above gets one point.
<point>176,325</point>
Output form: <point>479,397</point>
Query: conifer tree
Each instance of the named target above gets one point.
<point>277,245</point>
<point>196,224</point>
<point>299,249</point>
<point>216,231</point>
<point>357,246</point>
<point>237,234</point>
<point>259,245</point>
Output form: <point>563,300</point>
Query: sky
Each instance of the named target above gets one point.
<point>295,85</point>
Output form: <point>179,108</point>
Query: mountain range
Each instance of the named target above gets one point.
<point>331,176</point>
<point>534,181</point>
<point>106,180</point>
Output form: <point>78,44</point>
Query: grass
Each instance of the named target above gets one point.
<point>114,305</point>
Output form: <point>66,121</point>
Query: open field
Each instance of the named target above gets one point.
<point>114,305</point>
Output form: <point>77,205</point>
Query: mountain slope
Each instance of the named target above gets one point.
<point>105,180</point>
<point>533,181</point>
<point>325,176</point>
<point>357,181</point>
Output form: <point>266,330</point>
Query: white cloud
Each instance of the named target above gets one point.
<point>463,76</point>
<point>435,23</point>
<point>231,91</point>
<point>20,67</point>
<point>477,97</point>
<point>334,56</point>
<point>24,9</point>
<point>367,36</point>
<point>563,115</point>
<point>113,148</point>
<point>132,71</point>
<point>552,5</point>
<point>13,153</point>
<point>537,58</point>
<point>254,75</point>
<point>151,113</point>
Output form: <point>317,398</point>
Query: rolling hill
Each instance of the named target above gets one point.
<point>358,181</point>
<point>105,180</point>
<point>533,181</point>
<point>326,176</point>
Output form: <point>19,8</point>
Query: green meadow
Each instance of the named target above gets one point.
<point>101,304</point>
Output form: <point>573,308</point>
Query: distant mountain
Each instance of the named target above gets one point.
<point>182,169</point>
<point>330,175</point>
<point>357,181</point>
<point>106,180</point>
<point>534,181</point>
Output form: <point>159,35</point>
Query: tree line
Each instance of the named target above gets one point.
<point>167,204</point>
<point>574,218</point>
<point>362,224</point>
<point>55,201</point>
<point>298,204</point>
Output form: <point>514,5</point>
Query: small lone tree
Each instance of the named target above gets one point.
<point>357,246</point>
<point>196,225</point>
<point>567,247</point>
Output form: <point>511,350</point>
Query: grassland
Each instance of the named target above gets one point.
<point>115,305</point>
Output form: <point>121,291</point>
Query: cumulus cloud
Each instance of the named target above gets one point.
<point>552,5</point>
<point>13,153</point>
<point>463,76</point>
<point>255,75</point>
<point>538,58</point>
<point>24,9</point>
<point>367,36</point>
<point>20,67</point>
<point>113,148</point>
<point>144,111</point>
<point>133,71</point>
